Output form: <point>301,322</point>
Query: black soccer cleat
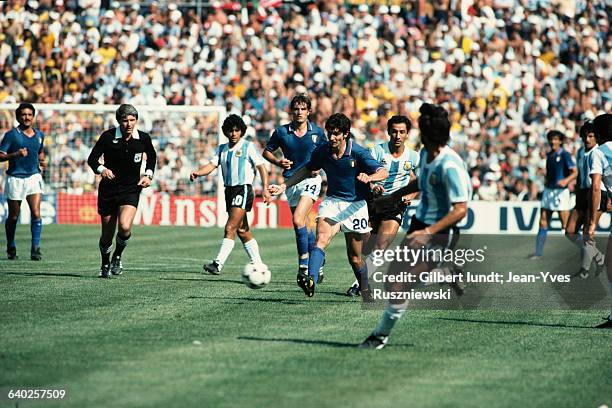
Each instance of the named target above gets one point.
<point>353,291</point>
<point>116,267</point>
<point>605,325</point>
<point>104,272</point>
<point>374,342</point>
<point>321,274</point>
<point>35,254</point>
<point>12,253</point>
<point>212,268</point>
<point>306,283</point>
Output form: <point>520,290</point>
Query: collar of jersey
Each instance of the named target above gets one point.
<point>347,151</point>
<point>443,152</point>
<point>308,127</point>
<point>118,134</point>
<point>236,146</point>
<point>21,131</point>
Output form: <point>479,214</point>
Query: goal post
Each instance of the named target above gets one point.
<point>185,137</point>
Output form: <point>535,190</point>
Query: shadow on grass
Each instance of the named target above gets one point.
<point>69,275</point>
<point>281,301</point>
<point>203,279</point>
<point>327,343</point>
<point>518,322</point>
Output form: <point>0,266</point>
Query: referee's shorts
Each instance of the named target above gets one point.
<point>110,200</point>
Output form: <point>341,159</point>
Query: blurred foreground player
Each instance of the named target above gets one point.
<point>22,146</point>
<point>124,149</point>
<point>445,190</point>
<point>601,172</point>
<point>238,160</point>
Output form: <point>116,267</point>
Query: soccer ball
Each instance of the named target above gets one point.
<point>256,276</point>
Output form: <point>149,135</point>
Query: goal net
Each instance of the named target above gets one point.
<point>184,137</point>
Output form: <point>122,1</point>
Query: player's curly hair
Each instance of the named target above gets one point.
<point>124,111</point>
<point>555,133</point>
<point>586,128</point>
<point>231,122</point>
<point>434,125</point>
<point>338,121</point>
<point>602,125</point>
<point>301,98</point>
<point>397,119</point>
<point>23,106</point>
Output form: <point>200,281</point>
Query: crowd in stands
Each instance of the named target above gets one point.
<point>507,71</point>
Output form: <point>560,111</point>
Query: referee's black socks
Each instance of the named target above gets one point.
<point>105,250</point>
<point>121,242</point>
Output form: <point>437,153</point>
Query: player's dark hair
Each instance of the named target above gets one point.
<point>23,106</point>
<point>124,111</point>
<point>396,120</point>
<point>586,128</point>
<point>554,133</point>
<point>231,122</point>
<point>434,125</point>
<point>602,125</point>
<point>338,121</point>
<point>301,98</point>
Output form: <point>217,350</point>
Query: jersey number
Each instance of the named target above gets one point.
<point>360,223</point>
<point>310,187</point>
<point>237,201</point>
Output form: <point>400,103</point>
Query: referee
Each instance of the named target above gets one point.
<point>124,149</point>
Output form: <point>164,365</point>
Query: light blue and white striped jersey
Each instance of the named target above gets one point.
<point>442,182</point>
<point>600,162</point>
<point>238,163</point>
<point>584,168</point>
<point>399,168</point>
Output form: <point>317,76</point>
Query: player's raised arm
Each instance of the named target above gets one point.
<point>268,153</point>
<point>7,140</point>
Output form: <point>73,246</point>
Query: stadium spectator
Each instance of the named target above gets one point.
<point>507,71</point>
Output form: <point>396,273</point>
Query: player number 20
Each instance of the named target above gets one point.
<point>360,223</point>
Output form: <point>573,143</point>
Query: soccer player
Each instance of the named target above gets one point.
<point>401,163</point>
<point>445,190</point>
<point>350,169</point>
<point>601,172</point>
<point>560,171</point>
<point>22,146</point>
<point>124,148</point>
<point>579,214</point>
<point>238,160</point>
<point>297,140</point>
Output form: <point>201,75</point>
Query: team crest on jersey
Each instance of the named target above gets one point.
<point>137,157</point>
<point>383,162</point>
<point>352,163</point>
<point>314,138</point>
<point>407,165</point>
<point>238,153</point>
<point>433,180</point>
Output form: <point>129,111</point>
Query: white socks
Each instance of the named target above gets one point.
<point>226,249</point>
<point>252,250</point>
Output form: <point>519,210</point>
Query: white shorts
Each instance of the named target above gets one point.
<point>353,216</point>
<point>17,188</point>
<point>556,199</point>
<point>310,187</point>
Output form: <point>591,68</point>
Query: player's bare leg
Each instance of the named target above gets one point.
<point>248,241</point>
<point>10,226</point>
<point>235,220</point>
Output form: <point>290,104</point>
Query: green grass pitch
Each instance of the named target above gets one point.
<point>165,335</point>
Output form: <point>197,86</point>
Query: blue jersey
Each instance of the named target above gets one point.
<point>400,168</point>
<point>342,172</point>
<point>443,182</point>
<point>238,163</point>
<point>14,140</point>
<point>296,148</point>
<point>558,166</point>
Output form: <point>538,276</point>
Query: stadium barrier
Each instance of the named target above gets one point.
<point>484,217</point>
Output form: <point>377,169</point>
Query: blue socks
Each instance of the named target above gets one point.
<point>315,261</point>
<point>301,239</point>
<point>312,240</point>
<point>540,241</point>
<point>361,274</point>
<point>10,226</point>
<point>36,230</point>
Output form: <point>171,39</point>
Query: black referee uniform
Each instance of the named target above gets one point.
<point>124,158</point>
